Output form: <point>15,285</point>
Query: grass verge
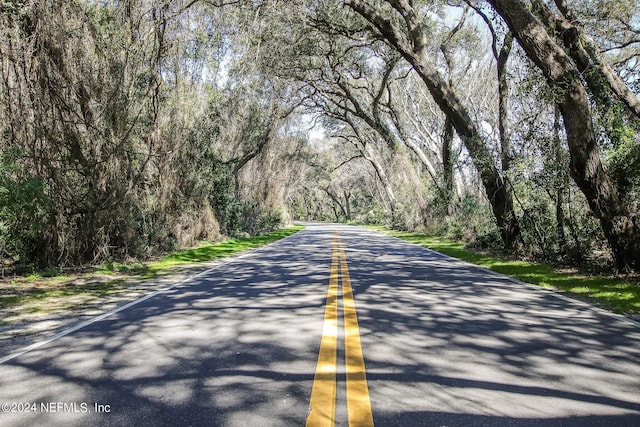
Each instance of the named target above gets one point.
<point>113,277</point>
<point>211,252</point>
<point>620,294</point>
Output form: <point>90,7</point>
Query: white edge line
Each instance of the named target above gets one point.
<point>101,317</point>
<point>554,292</point>
<point>132,303</point>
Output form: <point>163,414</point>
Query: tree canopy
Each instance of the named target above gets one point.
<point>134,127</point>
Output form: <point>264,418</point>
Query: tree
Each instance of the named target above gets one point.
<point>101,104</point>
<point>412,44</point>
<point>618,221</point>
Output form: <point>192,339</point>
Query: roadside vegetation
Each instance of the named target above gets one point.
<point>618,293</point>
<point>111,278</point>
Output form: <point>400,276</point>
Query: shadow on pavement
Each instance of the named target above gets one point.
<point>444,344</point>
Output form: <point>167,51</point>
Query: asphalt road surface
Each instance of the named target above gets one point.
<point>276,337</point>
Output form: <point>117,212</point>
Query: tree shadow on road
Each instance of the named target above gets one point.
<point>443,345</point>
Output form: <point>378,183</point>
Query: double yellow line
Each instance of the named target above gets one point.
<point>323,394</point>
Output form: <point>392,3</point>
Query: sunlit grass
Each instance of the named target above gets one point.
<point>53,284</point>
<point>212,252</point>
<point>619,294</point>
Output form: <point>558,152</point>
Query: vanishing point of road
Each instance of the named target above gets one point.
<point>335,325</point>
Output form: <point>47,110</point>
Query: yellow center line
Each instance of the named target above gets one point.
<point>323,393</point>
<point>358,401</point>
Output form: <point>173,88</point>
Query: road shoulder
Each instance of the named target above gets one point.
<point>21,327</point>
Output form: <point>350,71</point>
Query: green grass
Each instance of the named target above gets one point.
<point>618,294</point>
<point>46,285</point>
<point>211,252</point>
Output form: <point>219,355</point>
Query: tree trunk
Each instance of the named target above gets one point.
<point>604,85</point>
<point>369,156</point>
<point>619,224</point>
<point>560,234</point>
<point>384,179</point>
<point>416,53</point>
<point>336,200</point>
<point>447,163</point>
<point>503,102</point>
<point>561,181</point>
<point>347,203</point>
<point>598,74</point>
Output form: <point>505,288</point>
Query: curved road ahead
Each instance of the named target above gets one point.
<point>421,339</point>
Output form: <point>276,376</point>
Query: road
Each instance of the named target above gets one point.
<point>264,337</point>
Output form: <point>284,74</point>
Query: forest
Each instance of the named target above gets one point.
<point>132,128</point>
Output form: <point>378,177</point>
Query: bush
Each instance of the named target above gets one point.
<point>490,240</point>
<point>24,212</point>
